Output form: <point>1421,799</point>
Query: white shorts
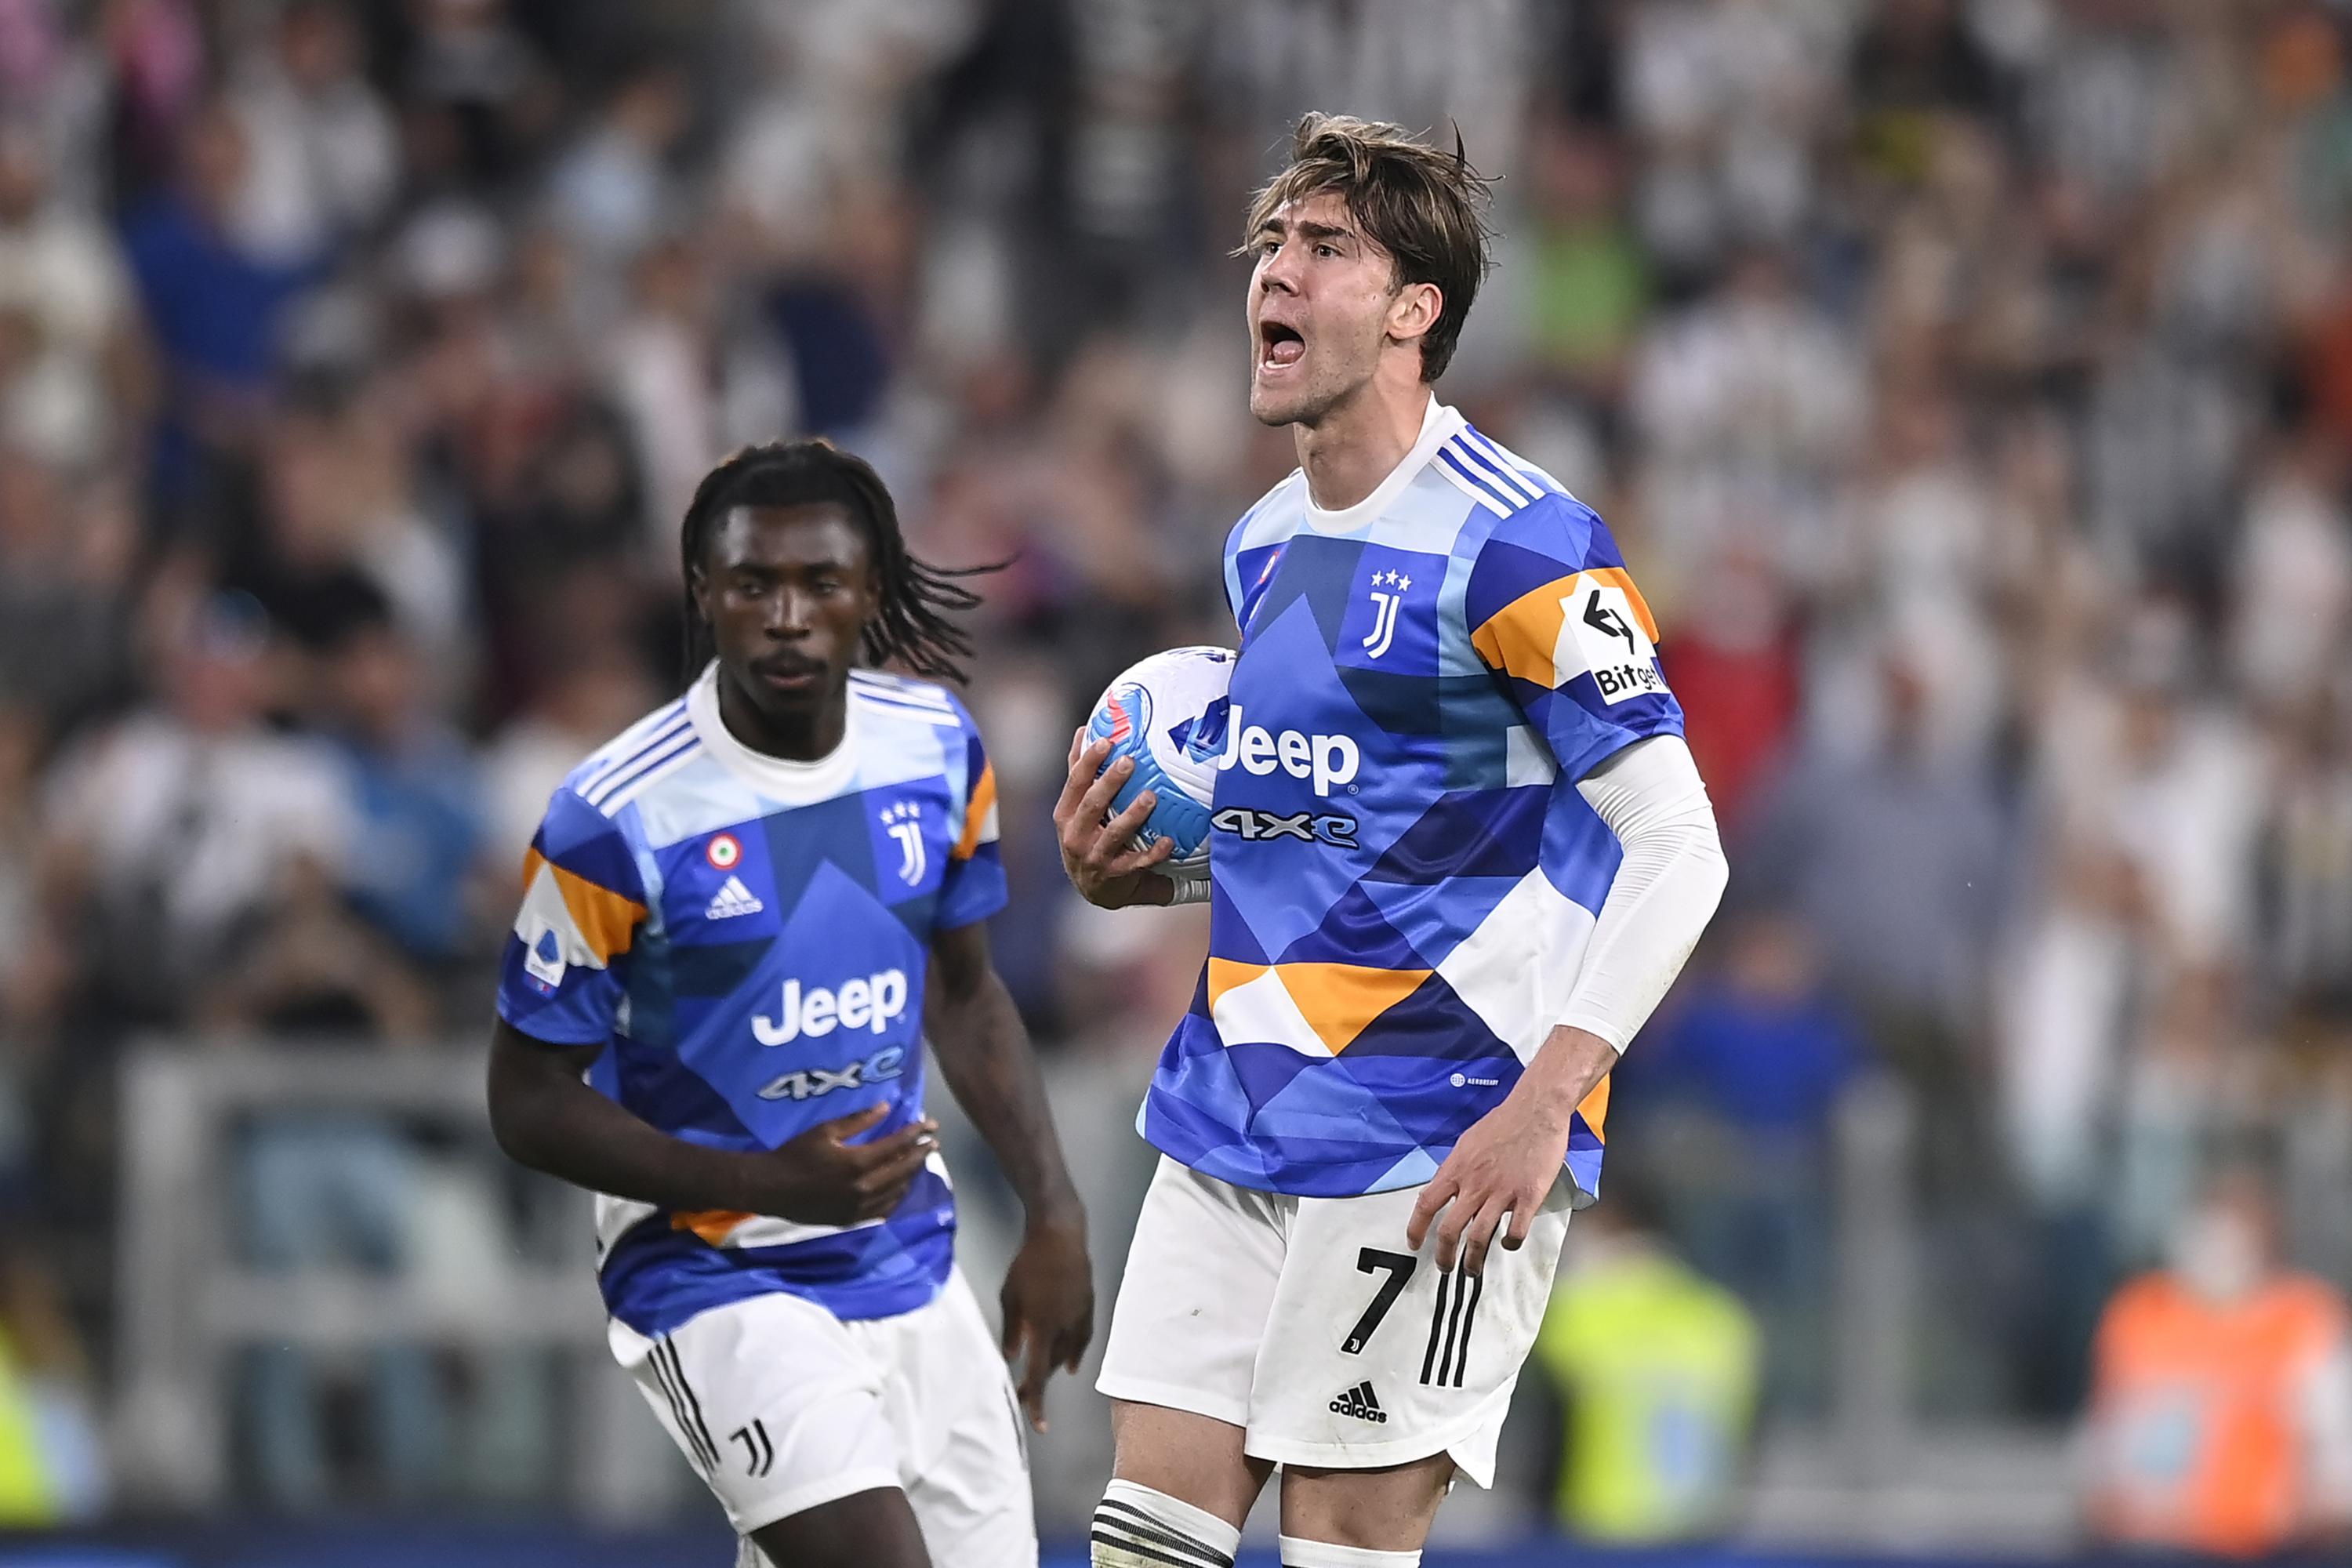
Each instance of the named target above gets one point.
<point>1308,1323</point>
<point>780,1407</point>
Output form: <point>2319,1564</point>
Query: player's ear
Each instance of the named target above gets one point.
<point>1414,310</point>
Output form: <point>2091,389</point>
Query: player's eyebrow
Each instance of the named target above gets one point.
<point>1306,227</point>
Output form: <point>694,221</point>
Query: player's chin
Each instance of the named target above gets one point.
<point>1280,404</point>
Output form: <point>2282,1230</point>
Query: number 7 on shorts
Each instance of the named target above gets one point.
<point>1400,1267</point>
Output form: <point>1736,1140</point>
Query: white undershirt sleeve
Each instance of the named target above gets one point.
<point>1666,890</point>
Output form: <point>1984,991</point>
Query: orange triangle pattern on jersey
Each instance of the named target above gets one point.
<point>1231,973</point>
<point>1595,1109</point>
<point>607,922</point>
<point>714,1226</point>
<point>1339,999</point>
<point>1336,999</point>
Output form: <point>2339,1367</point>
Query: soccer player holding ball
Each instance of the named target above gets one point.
<point>742,918</point>
<point>1459,851</point>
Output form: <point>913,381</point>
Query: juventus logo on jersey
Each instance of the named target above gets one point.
<point>1384,611</point>
<point>904,824</point>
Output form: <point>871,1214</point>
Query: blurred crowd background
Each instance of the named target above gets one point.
<point>1969,383</point>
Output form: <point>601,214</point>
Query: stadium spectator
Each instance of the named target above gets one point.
<point>687,405</point>
<point>1744,405</point>
<point>53,1467</point>
<point>2293,571</point>
<point>215,299</point>
<point>479,95</point>
<point>326,155</point>
<point>1587,285</point>
<point>1738,671</point>
<point>2306,859</point>
<point>1896,859</point>
<point>1731,1104</point>
<point>321,522</point>
<point>175,834</point>
<point>418,870</point>
<point>74,374</point>
<point>2221,1421</point>
<point>2147,823</point>
<point>611,191</point>
<point>68,550</point>
<point>32,975</point>
<point>1658,1369</point>
<point>153,57</point>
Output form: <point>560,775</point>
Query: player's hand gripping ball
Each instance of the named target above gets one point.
<point>1168,713</point>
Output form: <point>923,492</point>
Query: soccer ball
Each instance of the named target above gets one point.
<point>1168,712</point>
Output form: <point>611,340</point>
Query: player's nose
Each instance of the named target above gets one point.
<point>790,614</point>
<point>1278,273</point>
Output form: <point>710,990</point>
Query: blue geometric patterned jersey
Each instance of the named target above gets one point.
<point>1403,874</point>
<point>748,938</point>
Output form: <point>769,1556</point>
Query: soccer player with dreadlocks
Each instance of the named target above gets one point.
<point>740,920</point>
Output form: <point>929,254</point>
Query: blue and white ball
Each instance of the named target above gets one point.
<point>1168,712</point>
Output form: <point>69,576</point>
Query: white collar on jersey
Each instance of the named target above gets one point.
<point>778,778</point>
<point>1438,422</point>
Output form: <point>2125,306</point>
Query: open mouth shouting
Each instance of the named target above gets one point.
<point>1280,346</point>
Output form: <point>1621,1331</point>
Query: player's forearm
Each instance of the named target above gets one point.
<point>1570,1063</point>
<point>985,1055</point>
<point>1666,889</point>
<point>616,1155</point>
<point>545,1117</point>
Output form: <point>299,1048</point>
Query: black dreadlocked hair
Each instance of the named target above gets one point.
<point>911,624</point>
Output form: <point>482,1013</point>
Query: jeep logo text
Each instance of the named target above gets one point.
<point>867,1003</point>
<point>1328,760</point>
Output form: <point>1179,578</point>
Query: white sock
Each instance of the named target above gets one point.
<point>1300,1554</point>
<point>1136,1527</point>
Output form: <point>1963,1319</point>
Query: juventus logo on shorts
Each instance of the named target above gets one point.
<point>1450,1362</point>
<point>759,1453</point>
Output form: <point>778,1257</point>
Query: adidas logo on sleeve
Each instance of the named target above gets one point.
<point>1361,1403</point>
<point>731,899</point>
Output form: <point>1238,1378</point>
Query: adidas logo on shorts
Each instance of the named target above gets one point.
<point>731,899</point>
<point>1361,1403</point>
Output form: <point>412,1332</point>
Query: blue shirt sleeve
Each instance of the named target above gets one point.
<point>565,969</point>
<point>1555,615</point>
<point>972,887</point>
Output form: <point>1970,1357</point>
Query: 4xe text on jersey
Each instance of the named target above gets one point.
<point>1248,823</point>
<point>807,1083</point>
<point>867,1003</point>
<point>1329,760</point>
